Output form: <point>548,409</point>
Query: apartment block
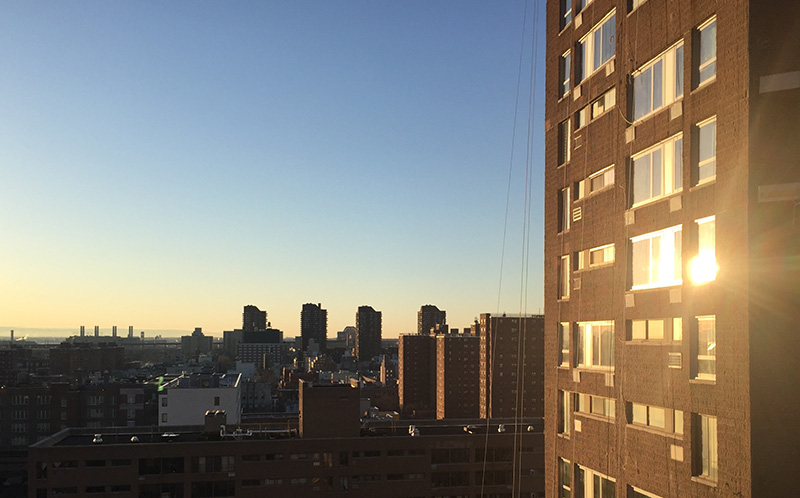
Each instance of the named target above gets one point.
<point>511,365</point>
<point>672,291</point>
<point>368,333</point>
<point>457,376</point>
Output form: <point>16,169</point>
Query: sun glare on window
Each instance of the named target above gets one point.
<point>703,268</point>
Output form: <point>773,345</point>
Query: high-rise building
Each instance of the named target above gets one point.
<point>253,319</point>
<point>511,366</point>
<point>671,191</point>
<point>457,375</point>
<point>368,333</point>
<point>416,382</point>
<point>314,325</point>
<point>428,317</point>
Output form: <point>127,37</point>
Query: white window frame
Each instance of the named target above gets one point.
<point>710,349</point>
<point>704,447</point>
<point>564,474</point>
<point>564,332</point>
<point>710,160</point>
<point>564,276</point>
<point>587,48</point>
<point>642,415</point>
<point>595,109</point>
<point>607,255</point>
<point>586,187</point>
<point>661,272</point>
<point>670,174</point>
<point>564,73</point>
<point>564,412</point>
<point>671,84</point>
<point>712,60</point>
<point>580,5</point>
<point>634,489</point>
<point>565,11</point>
<point>565,209</point>
<point>593,339</point>
<point>564,142</point>
<point>599,406</point>
<point>589,483</point>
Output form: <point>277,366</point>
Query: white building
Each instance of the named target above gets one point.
<point>185,400</point>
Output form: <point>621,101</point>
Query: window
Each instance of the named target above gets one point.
<point>598,46</point>
<point>706,151</point>
<point>706,359</point>
<point>216,400</point>
<point>647,330</point>
<point>657,171</point>
<point>703,267</point>
<point>592,484</point>
<point>634,492</point>
<point>564,72</point>
<point>634,4</point>
<point>564,209</point>
<point>564,413</point>
<point>656,259</point>
<point>656,417</point>
<point>163,418</point>
<point>563,280</point>
<point>658,83</point>
<point>563,340</point>
<point>582,4</point>
<point>707,56</point>
<point>564,479</point>
<point>566,13</point>
<point>601,255</point>
<point>596,182</point>
<point>597,108</point>
<point>596,405</point>
<point>564,142</point>
<point>163,401</point>
<point>595,344</point>
<point>704,446</point>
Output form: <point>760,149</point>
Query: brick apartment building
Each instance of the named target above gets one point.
<point>469,458</point>
<point>672,292</point>
<point>511,365</point>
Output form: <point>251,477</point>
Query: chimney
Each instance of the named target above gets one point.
<point>214,420</point>
<point>97,331</point>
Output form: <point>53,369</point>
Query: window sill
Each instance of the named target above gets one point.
<point>654,113</point>
<point>652,287</point>
<point>654,200</point>
<point>594,369</point>
<point>701,381</point>
<point>652,342</point>
<point>705,480</point>
<point>594,416</point>
<point>704,182</point>
<point>705,83</point>
<point>566,26</point>
<point>599,68</point>
<point>656,431</point>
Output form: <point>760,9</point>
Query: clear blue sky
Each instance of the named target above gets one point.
<point>163,164</point>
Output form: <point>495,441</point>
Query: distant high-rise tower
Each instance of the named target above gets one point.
<point>253,319</point>
<point>511,366</point>
<point>416,377</point>
<point>368,333</point>
<point>314,325</point>
<point>428,317</point>
<point>458,375</point>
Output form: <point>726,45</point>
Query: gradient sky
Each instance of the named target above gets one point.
<point>163,164</point>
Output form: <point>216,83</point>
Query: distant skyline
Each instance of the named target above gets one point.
<point>164,164</point>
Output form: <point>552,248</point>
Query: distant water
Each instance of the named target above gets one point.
<point>56,335</point>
